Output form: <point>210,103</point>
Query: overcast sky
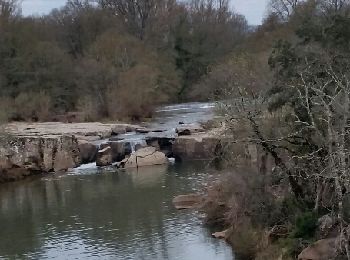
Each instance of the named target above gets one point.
<point>254,10</point>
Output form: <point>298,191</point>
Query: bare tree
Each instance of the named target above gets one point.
<point>333,6</point>
<point>313,154</point>
<point>136,13</point>
<point>283,8</point>
<point>9,8</point>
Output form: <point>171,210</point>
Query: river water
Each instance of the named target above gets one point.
<point>93,213</point>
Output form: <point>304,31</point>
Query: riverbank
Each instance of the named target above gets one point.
<point>34,148</point>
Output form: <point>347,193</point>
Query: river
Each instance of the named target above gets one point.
<point>92,213</point>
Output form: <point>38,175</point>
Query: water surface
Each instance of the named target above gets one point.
<point>106,214</point>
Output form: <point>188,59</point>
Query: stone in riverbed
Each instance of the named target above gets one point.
<point>222,234</point>
<point>104,157</point>
<point>143,130</point>
<point>116,139</point>
<point>146,156</point>
<point>189,201</point>
<point>88,151</point>
<point>119,149</point>
<point>189,129</point>
<point>118,129</point>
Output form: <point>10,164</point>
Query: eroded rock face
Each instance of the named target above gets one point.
<point>88,151</point>
<point>22,156</point>
<point>119,149</point>
<point>195,147</point>
<point>49,153</point>
<point>324,249</point>
<point>146,156</point>
<point>104,157</point>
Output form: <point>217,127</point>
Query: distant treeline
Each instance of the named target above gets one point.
<point>113,59</point>
<point>119,59</point>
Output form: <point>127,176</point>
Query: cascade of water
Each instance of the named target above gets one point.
<point>137,143</point>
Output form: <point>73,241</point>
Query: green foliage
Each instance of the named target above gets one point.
<point>305,225</point>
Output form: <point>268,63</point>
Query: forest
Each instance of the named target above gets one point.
<point>114,59</point>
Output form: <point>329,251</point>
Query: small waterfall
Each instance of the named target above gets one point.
<point>135,144</point>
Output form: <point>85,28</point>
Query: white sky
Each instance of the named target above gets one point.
<point>254,10</point>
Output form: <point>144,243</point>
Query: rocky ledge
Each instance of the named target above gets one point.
<point>28,149</point>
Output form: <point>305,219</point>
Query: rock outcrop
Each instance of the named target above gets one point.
<point>146,156</point>
<point>26,155</point>
<point>55,146</point>
<point>88,151</point>
<point>48,153</point>
<point>324,249</point>
<point>195,147</point>
<point>104,157</point>
<point>83,131</point>
<point>119,149</point>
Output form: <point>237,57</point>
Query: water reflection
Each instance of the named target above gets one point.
<point>105,215</point>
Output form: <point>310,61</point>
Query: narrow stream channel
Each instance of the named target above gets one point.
<point>93,213</point>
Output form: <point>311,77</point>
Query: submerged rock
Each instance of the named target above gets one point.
<point>146,156</point>
<point>188,201</point>
<point>15,174</point>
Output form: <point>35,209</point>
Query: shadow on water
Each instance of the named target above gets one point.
<point>106,214</point>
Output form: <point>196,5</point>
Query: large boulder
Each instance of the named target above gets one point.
<point>104,157</point>
<point>46,153</point>
<point>196,147</point>
<point>324,249</point>
<point>88,151</point>
<point>119,149</point>
<point>119,129</point>
<point>146,156</point>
